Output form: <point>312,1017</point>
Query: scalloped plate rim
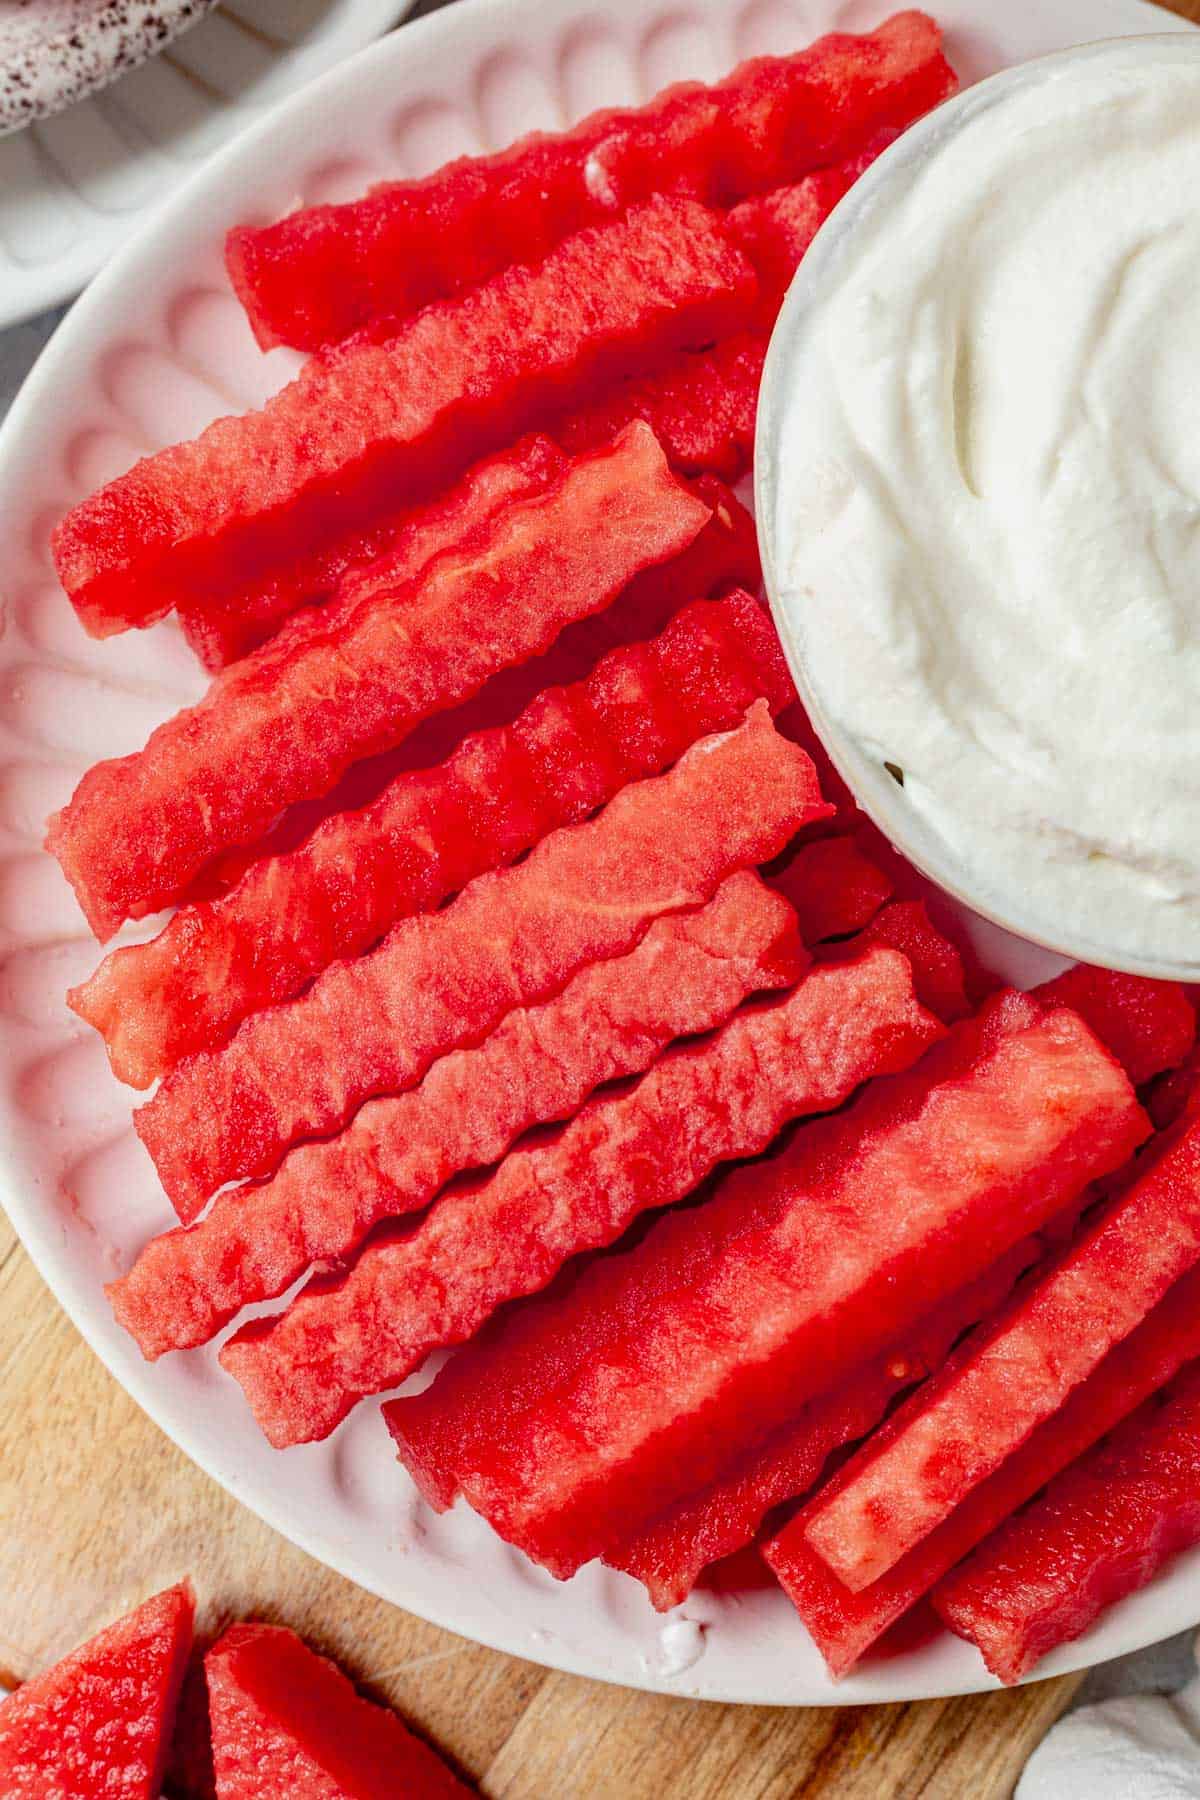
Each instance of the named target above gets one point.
<point>28,290</point>
<point>942,1669</point>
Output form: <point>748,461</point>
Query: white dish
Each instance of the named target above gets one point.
<point>1031,913</point>
<point>155,349</point>
<point>53,52</point>
<point>76,186</point>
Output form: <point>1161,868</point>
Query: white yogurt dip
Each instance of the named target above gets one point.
<point>980,477</point>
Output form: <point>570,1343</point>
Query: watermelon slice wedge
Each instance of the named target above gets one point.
<point>429,833</point>
<point>357,678</point>
<point>1013,1374</point>
<point>1102,1530</point>
<point>497,1239</point>
<point>321,273</point>
<point>442,980</point>
<point>661,1367</point>
<point>360,430</point>
<point>844,1625</point>
<point>288,1725</point>
<point>98,1724</point>
<point>540,1063</point>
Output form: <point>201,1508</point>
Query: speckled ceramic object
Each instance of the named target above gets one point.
<point>155,350</point>
<point>53,52</point>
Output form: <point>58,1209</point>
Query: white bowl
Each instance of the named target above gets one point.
<point>880,796</point>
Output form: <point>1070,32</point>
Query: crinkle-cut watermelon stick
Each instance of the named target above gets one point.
<point>937,966</point>
<point>834,888</point>
<point>320,273</point>
<point>845,1625</point>
<point>1148,1025</point>
<point>221,628</point>
<point>507,1235</point>
<point>354,680</point>
<point>1102,1530</point>
<point>441,980</point>
<point>428,834</point>
<point>99,1723</point>
<point>662,1366</point>
<point>540,1063</point>
<point>669,1555</point>
<point>288,1725</point>
<point>701,407</point>
<point>361,429</point>
<point>722,557</point>
<point>1013,1373</point>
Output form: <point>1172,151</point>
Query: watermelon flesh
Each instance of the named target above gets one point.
<point>669,1555</point>
<point>701,406</point>
<point>220,629</point>
<point>662,1366</point>
<point>834,888</point>
<point>321,273</point>
<point>360,429</point>
<point>288,1725</point>
<point>427,835</point>
<point>1148,1025</point>
<point>445,979</point>
<point>905,925</point>
<point>723,556</point>
<point>507,1235</point>
<point>1014,1374</point>
<point>844,1625</point>
<point>98,1724</point>
<point>1102,1530</point>
<point>539,1064</point>
<point>354,680</point>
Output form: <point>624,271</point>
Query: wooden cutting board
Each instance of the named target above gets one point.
<point>98,1509</point>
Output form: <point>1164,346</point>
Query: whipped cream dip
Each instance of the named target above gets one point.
<point>979,480</point>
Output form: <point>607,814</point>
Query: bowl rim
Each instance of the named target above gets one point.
<point>879,795</point>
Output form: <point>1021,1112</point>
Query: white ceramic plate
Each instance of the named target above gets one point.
<point>153,351</point>
<point>78,185</point>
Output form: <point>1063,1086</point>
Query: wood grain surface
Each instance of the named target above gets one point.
<point>98,1509</point>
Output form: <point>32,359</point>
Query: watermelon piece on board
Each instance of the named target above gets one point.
<point>844,1625</point>
<point>701,406</point>
<point>780,1285</point>
<point>427,834</point>
<point>97,1725</point>
<point>1148,1025</point>
<point>285,723</point>
<point>222,628</point>
<point>361,428</point>
<point>1102,1530</point>
<point>669,1555</point>
<point>937,965</point>
<point>507,1235</point>
<point>539,1064</point>
<point>723,556</point>
<point>319,274</point>
<point>1014,1373</point>
<point>445,979</point>
<point>288,1725</point>
<point>834,888</point>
